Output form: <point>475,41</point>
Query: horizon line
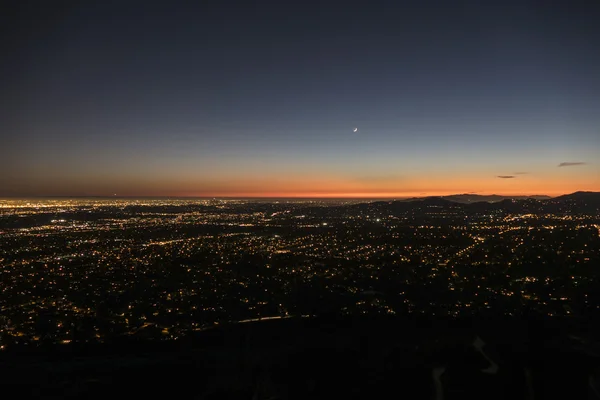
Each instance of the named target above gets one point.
<point>286,197</point>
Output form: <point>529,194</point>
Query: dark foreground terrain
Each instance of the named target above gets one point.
<point>326,357</point>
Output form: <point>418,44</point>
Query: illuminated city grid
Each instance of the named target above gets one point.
<point>90,270</point>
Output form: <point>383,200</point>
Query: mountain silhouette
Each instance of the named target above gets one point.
<point>574,203</point>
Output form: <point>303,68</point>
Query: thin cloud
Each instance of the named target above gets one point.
<point>571,164</point>
<point>506,176</point>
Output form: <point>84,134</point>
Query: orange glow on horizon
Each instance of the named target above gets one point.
<point>363,195</point>
<point>319,186</point>
<point>344,189</point>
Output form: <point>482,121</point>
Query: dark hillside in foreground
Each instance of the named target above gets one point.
<point>326,358</point>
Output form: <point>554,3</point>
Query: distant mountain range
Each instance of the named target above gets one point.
<point>476,198</point>
<point>579,196</point>
<point>575,203</point>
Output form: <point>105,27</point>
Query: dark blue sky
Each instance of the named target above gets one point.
<point>234,98</point>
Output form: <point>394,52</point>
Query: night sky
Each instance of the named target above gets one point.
<point>225,98</point>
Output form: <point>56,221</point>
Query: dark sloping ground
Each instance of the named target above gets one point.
<point>326,358</point>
